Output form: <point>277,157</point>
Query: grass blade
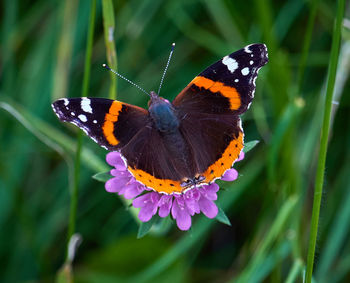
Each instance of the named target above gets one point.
<point>109,28</point>
<point>270,238</point>
<point>295,271</point>
<point>65,47</point>
<point>324,139</point>
<point>307,42</point>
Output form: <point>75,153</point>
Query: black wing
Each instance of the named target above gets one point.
<point>210,105</point>
<point>110,123</point>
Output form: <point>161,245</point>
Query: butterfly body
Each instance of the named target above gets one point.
<point>174,146</point>
<point>163,114</point>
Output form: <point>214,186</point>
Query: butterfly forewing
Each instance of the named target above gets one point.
<point>226,86</point>
<point>109,123</point>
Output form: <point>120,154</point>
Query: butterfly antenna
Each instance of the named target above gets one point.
<point>166,67</point>
<point>124,78</point>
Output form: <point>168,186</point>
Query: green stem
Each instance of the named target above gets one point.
<point>324,139</point>
<point>109,27</point>
<point>65,48</point>
<point>295,271</point>
<point>307,41</point>
<point>88,54</point>
<point>74,192</point>
<point>86,80</point>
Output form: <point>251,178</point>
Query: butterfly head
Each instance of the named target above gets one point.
<point>155,98</point>
<point>162,113</point>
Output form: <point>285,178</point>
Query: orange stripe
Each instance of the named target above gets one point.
<point>160,185</point>
<point>231,153</point>
<point>110,119</point>
<point>227,91</point>
<point>216,170</point>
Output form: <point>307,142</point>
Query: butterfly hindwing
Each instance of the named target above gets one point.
<point>109,123</point>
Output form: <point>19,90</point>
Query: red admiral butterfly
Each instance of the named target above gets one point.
<point>174,146</point>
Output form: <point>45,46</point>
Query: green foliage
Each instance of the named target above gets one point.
<point>222,217</point>
<point>145,227</point>
<point>52,49</point>
<point>102,176</point>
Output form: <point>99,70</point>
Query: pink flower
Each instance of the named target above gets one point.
<point>181,206</point>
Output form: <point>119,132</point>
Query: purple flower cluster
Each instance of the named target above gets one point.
<point>181,206</point>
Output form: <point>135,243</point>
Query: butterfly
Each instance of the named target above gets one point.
<point>174,146</point>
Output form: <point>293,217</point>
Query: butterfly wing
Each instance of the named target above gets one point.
<point>158,161</point>
<point>154,160</point>
<point>110,123</point>
<point>227,86</point>
<point>210,105</point>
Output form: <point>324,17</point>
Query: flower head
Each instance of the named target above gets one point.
<point>181,206</point>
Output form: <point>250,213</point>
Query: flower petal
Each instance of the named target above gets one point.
<point>230,175</point>
<point>115,185</point>
<point>240,157</point>
<point>119,173</point>
<point>191,198</point>
<point>164,204</point>
<point>209,191</point>
<point>213,188</point>
<point>147,212</point>
<point>132,190</point>
<point>178,204</point>
<point>114,159</point>
<point>208,207</point>
<point>180,213</point>
<point>141,200</point>
<point>183,221</point>
<point>148,204</point>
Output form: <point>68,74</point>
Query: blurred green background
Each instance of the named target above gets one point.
<point>42,57</point>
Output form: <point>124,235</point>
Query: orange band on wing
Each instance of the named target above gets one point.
<point>216,170</point>
<point>231,153</point>
<point>227,91</point>
<point>110,118</point>
<point>160,185</point>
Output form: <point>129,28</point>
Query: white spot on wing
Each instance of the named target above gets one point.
<point>247,50</point>
<point>94,121</point>
<point>72,113</point>
<point>245,71</point>
<point>236,80</point>
<point>231,63</point>
<point>82,118</point>
<point>251,62</point>
<point>65,101</point>
<point>85,105</point>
